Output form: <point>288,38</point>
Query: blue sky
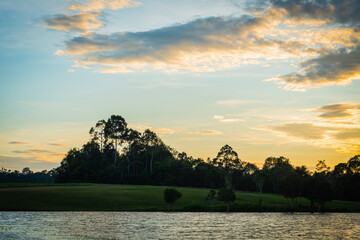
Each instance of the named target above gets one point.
<point>270,81</point>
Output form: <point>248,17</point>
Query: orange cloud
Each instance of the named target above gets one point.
<point>338,110</point>
<point>95,5</point>
<point>211,132</point>
<point>227,120</point>
<point>82,22</point>
<point>42,155</point>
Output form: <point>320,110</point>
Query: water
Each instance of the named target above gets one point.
<point>157,225</point>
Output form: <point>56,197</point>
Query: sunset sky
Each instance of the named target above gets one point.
<point>269,77</point>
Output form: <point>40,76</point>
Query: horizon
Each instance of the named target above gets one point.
<point>267,77</point>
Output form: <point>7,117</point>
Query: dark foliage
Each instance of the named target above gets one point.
<point>171,195</point>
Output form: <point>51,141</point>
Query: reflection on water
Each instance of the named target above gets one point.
<point>151,225</point>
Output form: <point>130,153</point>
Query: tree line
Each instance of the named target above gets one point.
<point>119,154</point>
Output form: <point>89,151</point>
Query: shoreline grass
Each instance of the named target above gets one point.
<point>115,197</point>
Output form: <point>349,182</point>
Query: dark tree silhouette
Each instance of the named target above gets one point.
<point>318,189</point>
<point>170,196</point>
<point>98,133</point>
<point>227,159</point>
<point>292,188</point>
<point>211,198</point>
<point>116,129</point>
<point>226,195</point>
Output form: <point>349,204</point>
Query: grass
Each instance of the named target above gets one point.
<point>106,197</point>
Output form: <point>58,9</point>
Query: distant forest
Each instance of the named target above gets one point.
<point>118,154</point>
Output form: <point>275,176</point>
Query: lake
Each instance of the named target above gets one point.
<point>162,225</point>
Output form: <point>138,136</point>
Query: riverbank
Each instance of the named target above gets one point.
<point>113,197</point>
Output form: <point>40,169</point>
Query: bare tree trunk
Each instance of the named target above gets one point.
<point>228,180</point>
<point>115,150</point>
<point>151,160</point>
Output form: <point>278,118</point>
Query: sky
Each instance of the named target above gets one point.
<point>268,77</point>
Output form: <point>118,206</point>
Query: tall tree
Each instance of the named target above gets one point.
<point>151,141</point>
<point>277,169</point>
<point>98,132</point>
<point>116,129</point>
<point>227,159</point>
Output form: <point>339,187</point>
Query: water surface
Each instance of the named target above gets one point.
<point>160,225</point>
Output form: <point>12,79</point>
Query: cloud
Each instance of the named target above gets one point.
<point>338,110</point>
<point>82,22</point>
<point>17,143</point>
<point>227,120</point>
<point>69,70</point>
<point>142,128</point>
<point>345,140</point>
<point>163,130</point>
<point>232,102</point>
<point>337,67</point>
<point>85,20</point>
<point>58,145</point>
<point>42,155</point>
<point>61,140</point>
<point>207,44</point>
<point>352,133</point>
<point>21,162</point>
<point>211,132</point>
<point>178,131</point>
<point>306,131</point>
<point>339,11</point>
<point>322,35</point>
<point>96,5</point>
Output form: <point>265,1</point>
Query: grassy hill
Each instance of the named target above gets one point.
<point>111,197</point>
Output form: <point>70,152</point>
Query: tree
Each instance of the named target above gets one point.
<point>170,196</point>
<point>98,133</point>
<point>353,165</point>
<point>227,159</point>
<point>277,169</point>
<point>211,197</point>
<point>259,181</point>
<point>318,189</point>
<point>26,171</point>
<point>321,167</point>
<point>151,141</point>
<point>303,173</point>
<point>226,195</point>
<point>116,129</point>
<point>292,187</point>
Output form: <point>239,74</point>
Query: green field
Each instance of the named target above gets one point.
<point>111,197</point>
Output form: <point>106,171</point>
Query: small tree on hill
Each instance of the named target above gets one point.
<point>226,195</point>
<point>170,196</point>
<point>211,197</point>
